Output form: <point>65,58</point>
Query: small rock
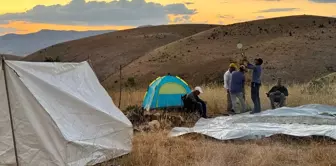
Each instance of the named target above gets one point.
<point>156,116</point>
<point>176,120</point>
<point>144,128</point>
<point>154,125</point>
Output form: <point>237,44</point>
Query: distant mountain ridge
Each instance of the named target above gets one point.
<point>25,44</point>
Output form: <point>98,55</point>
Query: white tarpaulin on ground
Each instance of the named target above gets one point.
<point>62,116</point>
<point>307,120</point>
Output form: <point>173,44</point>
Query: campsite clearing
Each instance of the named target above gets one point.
<point>156,148</point>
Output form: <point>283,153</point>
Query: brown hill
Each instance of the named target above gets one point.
<point>297,48</point>
<point>110,50</point>
<point>11,57</point>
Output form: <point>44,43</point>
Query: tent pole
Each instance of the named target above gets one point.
<point>10,110</point>
<point>119,86</point>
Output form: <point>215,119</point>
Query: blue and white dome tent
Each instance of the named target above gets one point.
<point>165,92</point>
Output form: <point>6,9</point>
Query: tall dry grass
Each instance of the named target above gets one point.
<point>215,96</point>
<point>157,149</point>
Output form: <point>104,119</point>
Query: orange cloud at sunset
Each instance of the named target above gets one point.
<point>27,16</point>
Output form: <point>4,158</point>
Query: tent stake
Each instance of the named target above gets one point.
<point>10,111</point>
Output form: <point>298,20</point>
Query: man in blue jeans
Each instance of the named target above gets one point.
<point>256,83</point>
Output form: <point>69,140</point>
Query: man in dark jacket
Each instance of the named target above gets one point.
<point>200,104</point>
<point>278,93</point>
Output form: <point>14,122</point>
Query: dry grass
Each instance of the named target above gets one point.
<point>215,95</point>
<point>156,148</point>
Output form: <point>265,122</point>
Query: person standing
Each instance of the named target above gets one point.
<point>237,88</point>
<point>227,81</point>
<point>256,83</point>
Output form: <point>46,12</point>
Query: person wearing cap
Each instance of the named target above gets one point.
<point>255,83</point>
<point>237,89</point>
<point>199,103</point>
<point>227,81</point>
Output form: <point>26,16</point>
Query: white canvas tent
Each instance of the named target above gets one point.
<point>61,116</point>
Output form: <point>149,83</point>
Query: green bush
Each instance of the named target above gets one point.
<point>131,82</point>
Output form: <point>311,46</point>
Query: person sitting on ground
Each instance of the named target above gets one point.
<point>199,103</point>
<point>237,90</point>
<point>278,93</point>
<point>227,80</point>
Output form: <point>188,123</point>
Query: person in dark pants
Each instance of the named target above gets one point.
<point>256,83</point>
<point>200,104</point>
<point>278,93</point>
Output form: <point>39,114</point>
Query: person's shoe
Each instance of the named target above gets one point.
<point>232,112</point>
<point>225,114</point>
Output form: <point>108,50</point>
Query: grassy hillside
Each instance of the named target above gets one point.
<point>110,50</point>
<point>297,48</point>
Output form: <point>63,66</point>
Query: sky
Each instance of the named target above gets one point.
<point>27,16</point>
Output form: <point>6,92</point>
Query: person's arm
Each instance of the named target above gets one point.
<point>226,80</point>
<point>286,91</point>
<point>198,99</point>
<point>243,81</point>
<point>250,66</point>
<point>192,98</point>
<point>271,90</point>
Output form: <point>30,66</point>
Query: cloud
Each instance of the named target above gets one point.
<point>122,12</point>
<point>323,1</point>
<point>182,19</point>
<point>178,9</point>
<point>277,10</point>
<point>224,16</point>
<point>189,3</point>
